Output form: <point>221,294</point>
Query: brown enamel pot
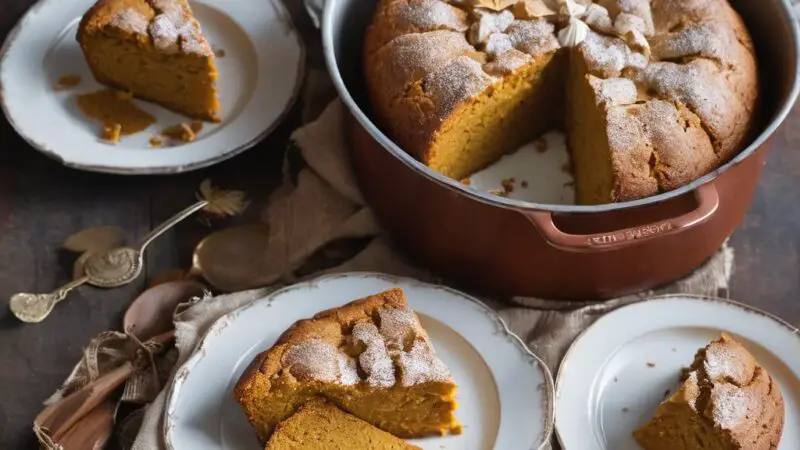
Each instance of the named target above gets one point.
<point>507,247</point>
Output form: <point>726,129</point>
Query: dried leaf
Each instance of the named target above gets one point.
<point>221,202</point>
<point>94,239</point>
<point>532,9</point>
<point>495,5</point>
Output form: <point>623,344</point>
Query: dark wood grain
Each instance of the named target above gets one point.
<point>41,203</point>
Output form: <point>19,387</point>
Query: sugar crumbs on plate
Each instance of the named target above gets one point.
<point>508,185</point>
<point>156,142</point>
<point>112,132</point>
<point>115,111</point>
<point>184,132</point>
<point>66,82</point>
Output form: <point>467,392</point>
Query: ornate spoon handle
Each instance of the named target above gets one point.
<point>33,308</point>
<point>174,220</point>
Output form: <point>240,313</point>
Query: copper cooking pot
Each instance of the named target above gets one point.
<point>502,246</point>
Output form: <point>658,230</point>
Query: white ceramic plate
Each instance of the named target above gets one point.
<point>618,371</point>
<point>260,76</point>
<point>504,392</point>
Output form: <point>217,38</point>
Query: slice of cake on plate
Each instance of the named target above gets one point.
<point>155,50</point>
<point>320,425</point>
<point>727,402</point>
<point>371,358</point>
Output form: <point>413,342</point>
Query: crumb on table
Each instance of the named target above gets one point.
<point>541,145</point>
<point>67,82</point>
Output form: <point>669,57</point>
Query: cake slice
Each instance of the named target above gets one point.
<point>155,50</point>
<point>320,425</point>
<point>726,402</point>
<point>371,358</point>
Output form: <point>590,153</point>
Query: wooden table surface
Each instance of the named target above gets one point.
<point>41,203</point>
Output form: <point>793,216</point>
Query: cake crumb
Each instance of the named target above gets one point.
<point>67,82</point>
<point>183,132</point>
<point>541,145</point>
<point>524,184</point>
<point>466,181</point>
<point>498,192</point>
<point>156,141</point>
<point>219,53</point>
<point>196,126</point>
<point>124,96</point>
<point>508,185</point>
<point>112,132</point>
<point>651,365</point>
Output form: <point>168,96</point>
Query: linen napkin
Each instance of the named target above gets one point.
<point>320,203</point>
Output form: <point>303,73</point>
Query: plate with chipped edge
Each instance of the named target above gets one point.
<point>505,391</point>
<point>260,76</point>
<point>618,371</point>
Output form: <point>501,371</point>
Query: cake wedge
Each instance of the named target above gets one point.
<point>155,50</point>
<point>320,425</point>
<point>371,358</point>
<point>726,401</point>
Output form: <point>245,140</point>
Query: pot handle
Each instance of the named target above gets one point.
<point>707,204</point>
<point>314,8</point>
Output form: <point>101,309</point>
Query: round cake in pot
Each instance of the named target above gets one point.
<point>653,94</point>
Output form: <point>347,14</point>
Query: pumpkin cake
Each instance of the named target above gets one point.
<point>371,358</point>
<point>155,50</point>
<point>653,94</point>
<point>320,425</point>
<point>726,402</point>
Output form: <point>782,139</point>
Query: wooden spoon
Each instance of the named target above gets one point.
<point>148,318</point>
<point>93,431</point>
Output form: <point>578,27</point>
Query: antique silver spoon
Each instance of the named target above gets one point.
<point>109,269</point>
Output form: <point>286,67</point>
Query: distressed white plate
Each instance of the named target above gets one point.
<point>260,76</point>
<point>504,391</point>
<point>618,371</point>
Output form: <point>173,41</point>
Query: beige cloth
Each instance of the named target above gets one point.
<point>318,205</point>
<point>321,204</point>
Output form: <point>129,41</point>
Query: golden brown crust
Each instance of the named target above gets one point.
<point>727,400</point>
<point>699,76</point>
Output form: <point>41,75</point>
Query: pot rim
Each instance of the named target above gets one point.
<point>788,17</point>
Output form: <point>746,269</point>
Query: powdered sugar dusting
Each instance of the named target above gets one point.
<point>534,37</point>
<point>455,82</point>
<point>129,20</point>
<point>729,405</point>
<point>506,62</point>
<point>428,15</point>
<point>706,39</point>
<point>396,324</point>
<point>608,56</point>
<point>318,360</point>
<point>173,29</point>
<point>614,91</point>
<point>374,360</point>
<point>420,365</point>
